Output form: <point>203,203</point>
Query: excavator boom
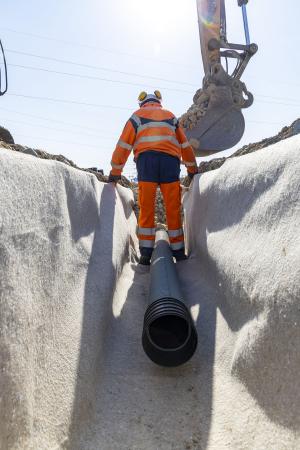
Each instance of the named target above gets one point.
<point>215,122</point>
<point>210,16</point>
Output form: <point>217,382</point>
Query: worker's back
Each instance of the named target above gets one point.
<point>155,129</point>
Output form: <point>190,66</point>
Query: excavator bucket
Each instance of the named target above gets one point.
<point>221,128</point>
<point>215,122</point>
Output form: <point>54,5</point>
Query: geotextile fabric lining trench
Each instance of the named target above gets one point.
<point>64,240</point>
<point>73,373</point>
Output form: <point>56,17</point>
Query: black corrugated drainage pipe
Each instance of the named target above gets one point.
<point>169,335</point>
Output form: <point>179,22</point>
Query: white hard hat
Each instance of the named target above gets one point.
<point>144,97</point>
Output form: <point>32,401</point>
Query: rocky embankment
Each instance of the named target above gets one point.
<point>44,155</point>
<point>205,166</point>
<point>285,133</point>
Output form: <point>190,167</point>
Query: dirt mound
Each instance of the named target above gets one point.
<point>286,132</point>
<point>44,155</point>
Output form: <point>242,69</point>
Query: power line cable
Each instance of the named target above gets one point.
<point>95,105</point>
<point>116,52</point>
<point>95,48</point>
<point>259,122</point>
<point>89,66</point>
<point>50,119</point>
<point>106,69</point>
<point>58,129</point>
<point>72,102</point>
<point>84,144</point>
<point>63,142</point>
<point>278,103</point>
<point>136,84</point>
<point>278,98</point>
<point>89,77</point>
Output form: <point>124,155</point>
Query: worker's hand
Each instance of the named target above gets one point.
<point>114,179</point>
<point>188,179</point>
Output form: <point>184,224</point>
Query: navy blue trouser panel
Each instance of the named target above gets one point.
<point>158,167</point>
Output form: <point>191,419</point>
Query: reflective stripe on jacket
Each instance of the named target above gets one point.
<point>153,128</point>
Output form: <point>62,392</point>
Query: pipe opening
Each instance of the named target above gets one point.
<point>169,332</point>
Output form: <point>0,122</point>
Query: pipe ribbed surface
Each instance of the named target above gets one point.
<point>169,335</point>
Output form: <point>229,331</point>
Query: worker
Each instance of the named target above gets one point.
<point>158,143</point>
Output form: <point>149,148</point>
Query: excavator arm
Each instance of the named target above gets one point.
<point>215,122</point>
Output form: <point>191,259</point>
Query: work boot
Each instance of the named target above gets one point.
<point>179,255</point>
<point>145,260</point>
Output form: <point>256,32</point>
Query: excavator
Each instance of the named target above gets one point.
<point>4,133</point>
<point>215,121</point>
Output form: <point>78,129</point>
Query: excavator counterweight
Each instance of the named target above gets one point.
<point>215,122</point>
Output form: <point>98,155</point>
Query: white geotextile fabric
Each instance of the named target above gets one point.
<point>64,239</point>
<point>73,374</point>
<point>243,229</point>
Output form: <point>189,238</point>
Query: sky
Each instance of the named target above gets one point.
<point>76,69</point>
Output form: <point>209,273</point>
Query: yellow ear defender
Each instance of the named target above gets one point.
<point>142,96</point>
<point>158,94</point>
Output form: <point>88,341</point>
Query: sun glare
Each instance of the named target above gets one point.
<point>161,24</point>
<point>163,13</point>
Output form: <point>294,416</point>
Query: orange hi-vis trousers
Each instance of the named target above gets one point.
<point>171,193</point>
<point>164,171</point>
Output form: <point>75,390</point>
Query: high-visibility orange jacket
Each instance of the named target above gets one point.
<point>153,128</point>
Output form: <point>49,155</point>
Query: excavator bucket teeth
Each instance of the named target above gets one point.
<point>220,129</point>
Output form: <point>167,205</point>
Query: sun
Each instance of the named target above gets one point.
<point>157,26</point>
